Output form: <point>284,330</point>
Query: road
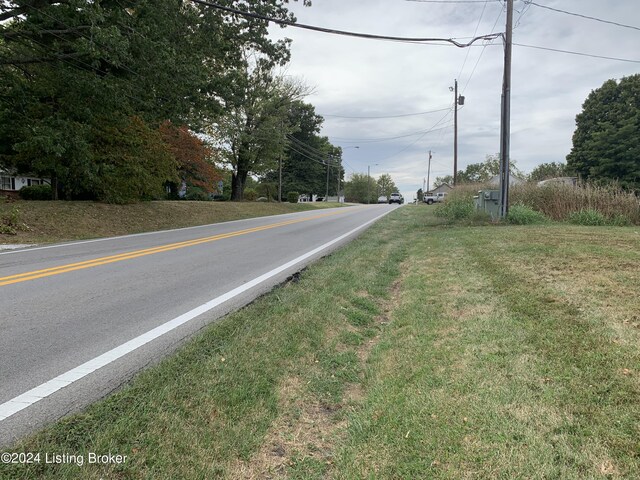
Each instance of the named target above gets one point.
<point>77,320</point>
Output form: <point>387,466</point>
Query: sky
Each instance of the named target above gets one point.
<point>353,77</point>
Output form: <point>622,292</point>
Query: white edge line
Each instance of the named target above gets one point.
<point>142,234</point>
<point>36,394</point>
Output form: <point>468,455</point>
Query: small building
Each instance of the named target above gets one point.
<point>10,182</point>
<point>513,180</point>
<point>444,188</point>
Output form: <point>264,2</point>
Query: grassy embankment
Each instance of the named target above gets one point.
<point>420,350</point>
<point>43,222</point>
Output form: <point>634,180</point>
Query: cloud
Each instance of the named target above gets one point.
<point>364,77</point>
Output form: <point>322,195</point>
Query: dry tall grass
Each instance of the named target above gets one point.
<point>558,202</point>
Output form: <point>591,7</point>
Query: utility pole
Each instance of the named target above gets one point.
<point>280,163</point>
<point>339,174</point>
<point>455,133</point>
<point>505,116</point>
<point>280,179</point>
<point>326,197</point>
<point>428,172</point>
<point>368,184</point>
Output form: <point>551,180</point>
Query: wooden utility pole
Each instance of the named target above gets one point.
<point>505,117</point>
<point>326,197</point>
<point>455,133</point>
<point>280,179</point>
<point>428,172</point>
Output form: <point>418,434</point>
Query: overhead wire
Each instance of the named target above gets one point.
<point>587,17</point>
<point>384,116</point>
<point>577,53</point>
<point>482,52</point>
<point>484,7</point>
<point>368,36</point>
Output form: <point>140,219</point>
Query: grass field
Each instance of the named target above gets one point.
<point>42,222</point>
<point>421,350</point>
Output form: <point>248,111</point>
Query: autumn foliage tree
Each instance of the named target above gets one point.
<point>194,159</point>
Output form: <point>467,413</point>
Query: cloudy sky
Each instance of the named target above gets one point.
<point>355,77</point>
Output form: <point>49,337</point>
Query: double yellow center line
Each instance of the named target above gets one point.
<point>70,267</point>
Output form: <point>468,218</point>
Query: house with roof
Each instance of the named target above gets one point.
<point>11,182</point>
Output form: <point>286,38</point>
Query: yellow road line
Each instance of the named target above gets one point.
<point>47,272</point>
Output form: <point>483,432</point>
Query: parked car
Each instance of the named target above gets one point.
<point>383,199</point>
<point>435,198</point>
<point>396,198</point>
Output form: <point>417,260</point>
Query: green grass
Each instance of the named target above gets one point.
<point>42,222</point>
<point>429,351</point>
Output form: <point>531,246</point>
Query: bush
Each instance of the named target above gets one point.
<point>36,192</point>
<point>560,202</point>
<point>588,217</point>
<point>10,222</point>
<point>455,208</point>
<point>197,194</point>
<point>250,194</point>
<point>292,197</point>
<point>520,214</point>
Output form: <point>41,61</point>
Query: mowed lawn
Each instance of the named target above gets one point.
<point>421,350</point>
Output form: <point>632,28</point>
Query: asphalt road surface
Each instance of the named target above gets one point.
<point>77,320</point>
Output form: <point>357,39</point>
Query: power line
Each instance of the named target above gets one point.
<point>581,15</point>
<point>368,36</point>
<point>481,53</point>
<point>577,53</point>
<point>432,129</point>
<point>387,116</point>
<point>484,7</point>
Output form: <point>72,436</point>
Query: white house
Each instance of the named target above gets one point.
<point>13,183</point>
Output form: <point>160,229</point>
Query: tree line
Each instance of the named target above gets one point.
<point>105,98</point>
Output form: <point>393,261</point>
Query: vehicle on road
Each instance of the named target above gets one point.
<point>383,199</point>
<point>396,198</point>
<point>435,198</point>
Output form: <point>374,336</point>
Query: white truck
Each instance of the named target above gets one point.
<point>430,198</point>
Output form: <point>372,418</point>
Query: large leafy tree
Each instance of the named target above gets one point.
<point>68,68</point>
<point>307,154</point>
<point>361,188</point>
<point>606,142</point>
<point>194,159</point>
<point>386,185</point>
<point>255,125</point>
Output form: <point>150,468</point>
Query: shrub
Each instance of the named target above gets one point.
<point>250,194</point>
<point>292,197</point>
<point>588,217</point>
<point>197,194</point>
<point>455,208</point>
<point>10,222</point>
<point>36,192</point>
<point>520,214</point>
<point>559,202</point>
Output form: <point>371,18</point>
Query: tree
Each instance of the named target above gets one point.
<point>194,159</point>
<point>385,185</point>
<point>545,171</point>
<point>254,129</point>
<point>479,172</point>
<point>70,67</point>
<point>606,142</point>
<point>304,167</point>
<point>360,188</point>
<point>420,195</point>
